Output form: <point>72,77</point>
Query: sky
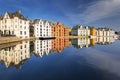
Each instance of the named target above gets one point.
<point>97,13</point>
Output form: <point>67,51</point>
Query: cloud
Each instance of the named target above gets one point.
<point>96,10</point>
<point>106,61</point>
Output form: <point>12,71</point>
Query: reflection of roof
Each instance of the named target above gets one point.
<point>13,64</point>
<point>16,14</point>
<point>80,46</point>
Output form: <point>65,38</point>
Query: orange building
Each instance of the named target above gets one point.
<point>59,30</point>
<point>59,44</point>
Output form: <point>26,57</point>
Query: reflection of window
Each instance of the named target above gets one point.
<point>5,26</point>
<point>25,56</point>
<point>6,59</point>
<point>21,57</point>
<point>21,53</point>
<point>25,46</point>
<point>12,32</point>
<point>15,20</point>
<point>21,47</point>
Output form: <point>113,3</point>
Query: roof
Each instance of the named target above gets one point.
<point>36,21</point>
<point>52,23</point>
<point>80,26</point>
<point>105,29</point>
<point>17,14</point>
<point>1,17</point>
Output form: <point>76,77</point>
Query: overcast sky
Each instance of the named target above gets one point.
<point>98,13</point>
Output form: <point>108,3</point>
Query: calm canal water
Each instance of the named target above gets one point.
<point>61,59</point>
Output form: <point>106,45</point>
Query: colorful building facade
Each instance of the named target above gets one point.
<point>59,30</point>
<point>59,44</point>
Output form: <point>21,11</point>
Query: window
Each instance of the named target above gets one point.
<point>20,21</point>
<point>5,21</point>
<point>25,32</point>
<point>5,26</point>
<point>21,47</point>
<point>25,27</point>
<point>20,26</point>
<point>20,32</point>
<point>21,53</point>
<point>25,46</point>
<point>12,32</point>
<point>6,16</point>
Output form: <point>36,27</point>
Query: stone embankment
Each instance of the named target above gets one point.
<point>74,37</point>
<point>5,40</point>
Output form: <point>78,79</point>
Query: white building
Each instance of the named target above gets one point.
<point>14,24</point>
<point>15,55</point>
<point>80,30</point>
<point>42,47</point>
<point>42,28</point>
<point>106,32</point>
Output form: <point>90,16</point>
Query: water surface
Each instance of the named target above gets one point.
<point>61,59</point>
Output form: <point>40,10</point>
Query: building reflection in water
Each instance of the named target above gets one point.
<point>87,42</point>
<point>59,44</point>
<point>42,47</point>
<point>80,42</point>
<point>17,54</point>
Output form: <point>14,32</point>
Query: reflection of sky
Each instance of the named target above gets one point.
<point>100,62</point>
<point>104,57</point>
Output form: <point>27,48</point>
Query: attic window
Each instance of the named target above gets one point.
<point>7,17</point>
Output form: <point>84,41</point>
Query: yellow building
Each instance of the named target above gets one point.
<point>92,31</point>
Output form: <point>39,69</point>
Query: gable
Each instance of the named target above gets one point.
<point>6,16</point>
